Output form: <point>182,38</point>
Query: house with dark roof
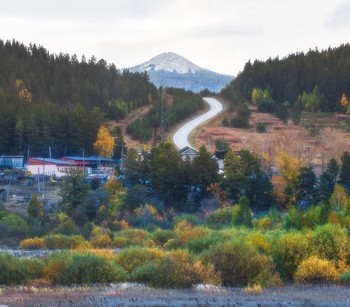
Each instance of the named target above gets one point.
<point>188,153</point>
<point>89,163</point>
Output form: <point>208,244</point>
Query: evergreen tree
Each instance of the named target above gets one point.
<point>204,170</point>
<point>327,180</point>
<point>35,207</point>
<point>344,175</point>
<point>306,186</point>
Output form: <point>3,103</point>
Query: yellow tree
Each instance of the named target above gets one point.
<point>339,199</point>
<point>344,101</point>
<point>23,93</point>
<point>288,167</point>
<point>104,143</point>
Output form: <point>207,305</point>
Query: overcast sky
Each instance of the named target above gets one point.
<point>220,35</point>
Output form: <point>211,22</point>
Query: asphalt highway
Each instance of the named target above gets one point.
<point>181,136</point>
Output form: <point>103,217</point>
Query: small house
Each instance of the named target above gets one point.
<point>188,153</point>
<point>11,161</point>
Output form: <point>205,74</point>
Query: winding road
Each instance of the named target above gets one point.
<point>181,136</point>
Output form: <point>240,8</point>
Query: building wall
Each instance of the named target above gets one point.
<point>48,170</point>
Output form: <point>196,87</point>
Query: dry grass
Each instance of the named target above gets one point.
<point>331,141</point>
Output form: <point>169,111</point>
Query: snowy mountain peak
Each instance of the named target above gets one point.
<point>170,62</point>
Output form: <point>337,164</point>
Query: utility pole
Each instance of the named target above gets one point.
<point>43,195</point>
<point>84,161</point>
<point>162,117</point>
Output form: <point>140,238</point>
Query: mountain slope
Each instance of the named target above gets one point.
<point>172,70</point>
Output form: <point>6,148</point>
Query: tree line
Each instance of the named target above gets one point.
<point>323,73</point>
<point>59,100</point>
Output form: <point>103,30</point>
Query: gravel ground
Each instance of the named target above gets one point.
<point>139,295</point>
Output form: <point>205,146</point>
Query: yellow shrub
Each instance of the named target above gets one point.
<point>194,233</point>
<point>32,243</point>
<point>259,242</point>
<point>133,236</point>
<point>101,241</point>
<point>122,225</point>
<point>289,251</point>
<point>98,230</point>
<point>150,244</point>
<point>132,257</point>
<point>183,226</point>
<point>316,270</point>
<point>53,268</point>
<point>119,242</point>
<point>207,274</point>
<point>253,289</point>
<point>263,223</point>
<point>63,242</point>
<point>102,253</point>
<point>187,232</point>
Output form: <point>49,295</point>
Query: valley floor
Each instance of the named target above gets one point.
<point>138,295</point>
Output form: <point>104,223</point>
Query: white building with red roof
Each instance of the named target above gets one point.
<point>48,166</point>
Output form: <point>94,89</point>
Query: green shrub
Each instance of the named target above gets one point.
<point>261,127</point>
<point>35,267</point>
<point>243,215</point>
<point>63,242</point>
<point>101,241</point>
<point>13,271</point>
<point>89,269</point>
<point>240,264</point>
<point>198,245</point>
<point>316,215</point>
<point>222,217</point>
<point>55,264</point>
<point>272,220</point>
<point>294,219</point>
<point>289,251</point>
<point>160,236</point>
<point>15,226</point>
<point>119,242</point>
<point>192,219</point>
<point>32,243</point>
<point>331,242</point>
<point>133,236</point>
<point>175,270</point>
<point>344,278</point>
<point>187,232</point>
<point>173,244</point>
<point>133,257</point>
<point>316,270</point>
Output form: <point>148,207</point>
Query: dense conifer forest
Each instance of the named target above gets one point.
<point>59,100</point>
<point>326,72</point>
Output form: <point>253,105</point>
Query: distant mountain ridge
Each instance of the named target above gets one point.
<point>172,70</point>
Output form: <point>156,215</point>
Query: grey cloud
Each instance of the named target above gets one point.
<point>227,30</point>
<point>341,18</point>
<point>89,10</point>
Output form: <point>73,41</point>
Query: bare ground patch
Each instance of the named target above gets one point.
<point>138,295</point>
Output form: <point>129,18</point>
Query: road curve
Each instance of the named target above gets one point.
<point>181,136</point>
